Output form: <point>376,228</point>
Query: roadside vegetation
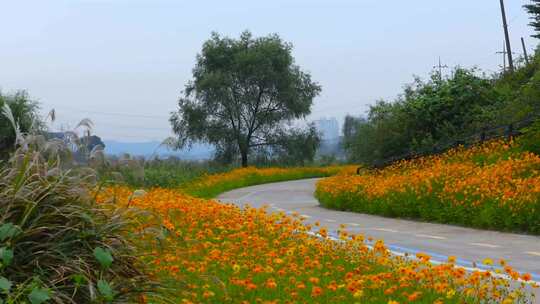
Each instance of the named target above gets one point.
<point>56,244</point>
<point>209,186</point>
<point>495,185</point>
<point>434,115</point>
<point>214,253</point>
<point>80,227</point>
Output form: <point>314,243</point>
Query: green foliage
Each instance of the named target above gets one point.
<point>25,114</point>
<point>291,147</point>
<point>104,257</point>
<point>436,114</point>
<point>105,290</point>
<point>5,285</point>
<point>242,94</point>
<point>534,10</point>
<point>38,296</point>
<point>50,227</point>
<point>164,173</point>
<point>530,140</point>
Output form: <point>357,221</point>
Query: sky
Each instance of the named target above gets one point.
<point>124,63</point>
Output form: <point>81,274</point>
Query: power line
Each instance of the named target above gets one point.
<point>114,113</point>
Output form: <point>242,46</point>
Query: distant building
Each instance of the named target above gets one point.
<point>328,127</point>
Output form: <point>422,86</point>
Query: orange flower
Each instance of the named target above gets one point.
<point>316,291</point>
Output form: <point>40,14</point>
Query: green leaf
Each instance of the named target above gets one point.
<point>5,285</point>
<point>6,255</point>
<point>8,230</point>
<point>105,290</point>
<point>38,296</point>
<point>79,279</point>
<point>103,256</point>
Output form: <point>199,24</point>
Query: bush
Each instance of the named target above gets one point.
<point>530,140</point>
<point>55,242</point>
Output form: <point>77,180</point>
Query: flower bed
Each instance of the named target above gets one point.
<point>207,252</point>
<point>494,186</point>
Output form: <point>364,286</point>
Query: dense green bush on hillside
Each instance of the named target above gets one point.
<point>530,140</point>
<point>427,113</point>
<point>443,111</point>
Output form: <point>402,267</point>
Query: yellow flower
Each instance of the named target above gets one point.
<point>358,294</point>
<point>488,262</point>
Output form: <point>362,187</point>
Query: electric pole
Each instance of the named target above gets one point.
<point>507,38</point>
<point>525,51</point>
<point>504,56</point>
<point>440,67</point>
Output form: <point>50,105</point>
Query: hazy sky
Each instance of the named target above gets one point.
<point>124,63</point>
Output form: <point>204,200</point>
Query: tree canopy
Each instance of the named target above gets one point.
<point>534,10</point>
<point>427,113</point>
<point>243,93</point>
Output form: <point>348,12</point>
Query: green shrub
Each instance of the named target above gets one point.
<point>530,140</point>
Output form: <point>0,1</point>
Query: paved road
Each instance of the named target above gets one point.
<point>440,241</point>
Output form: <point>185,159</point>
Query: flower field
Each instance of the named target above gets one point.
<point>206,252</point>
<point>209,186</point>
<point>494,185</point>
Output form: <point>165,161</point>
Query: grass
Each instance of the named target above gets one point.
<point>56,244</point>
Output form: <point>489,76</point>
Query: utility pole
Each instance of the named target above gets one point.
<point>440,67</point>
<point>504,56</point>
<point>525,51</point>
<point>507,38</point>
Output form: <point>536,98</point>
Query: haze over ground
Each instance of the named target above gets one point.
<point>123,63</point>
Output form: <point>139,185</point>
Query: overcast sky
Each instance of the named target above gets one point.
<point>124,63</point>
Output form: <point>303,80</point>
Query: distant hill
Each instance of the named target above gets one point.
<point>148,149</point>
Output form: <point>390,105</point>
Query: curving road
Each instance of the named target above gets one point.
<point>401,236</point>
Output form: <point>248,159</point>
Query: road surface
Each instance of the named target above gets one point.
<point>403,236</point>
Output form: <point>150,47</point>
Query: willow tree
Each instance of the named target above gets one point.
<point>243,93</point>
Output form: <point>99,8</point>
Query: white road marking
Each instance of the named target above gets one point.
<point>533,253</point>
<point>243,197</point>
<point>385,230</point>
<point>305,216</point>
<point>279,209</point>
<point>430,236</point>
<point>330,221</point>
<point>485,245</point>
<point>353,224</point>
<point>433,261</point>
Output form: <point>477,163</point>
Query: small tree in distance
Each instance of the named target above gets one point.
<point>242,95</point>
<point>534,10</point>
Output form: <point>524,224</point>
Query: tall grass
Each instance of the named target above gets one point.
<point>56,243</point>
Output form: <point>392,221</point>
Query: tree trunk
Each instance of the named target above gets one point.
<point>244,158</point>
